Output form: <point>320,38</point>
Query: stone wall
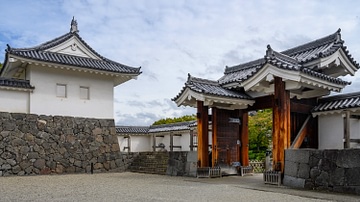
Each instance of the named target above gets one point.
<point>333,170</point>
<point>182,164</point>
<point>32,144</point>
<point>178,163</point>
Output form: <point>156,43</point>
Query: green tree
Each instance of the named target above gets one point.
<point>260,132</point>
<point>175,120</point>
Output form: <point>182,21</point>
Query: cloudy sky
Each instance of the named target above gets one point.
<point>170,39</point>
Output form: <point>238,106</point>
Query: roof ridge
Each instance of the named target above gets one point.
<point>183,123</point>
<point>201,80</point>
<point>243,66</point>
<point>45,45</point>
<point>131,126</point>
<point>339,97</point>
<point>271,53</point>
<point>335,38</point>
<point>63,38</point>
<point>18,51</point>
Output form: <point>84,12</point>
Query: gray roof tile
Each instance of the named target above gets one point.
<point>210,87</point>
<point>134,130</point>
<point>147,130</point>
<point>171,127</point>
<point>15,83</point>
<point>243,72</point>
<point>39,53</point>
<point>338,102</point>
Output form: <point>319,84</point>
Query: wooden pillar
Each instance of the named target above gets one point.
<point>154,142</point>
<point>129,143</point>
<point>347,130</point>
<point>203,134</point>
<point>244,140</point>
<point>171,142</point>
<point>191,140</point>
<point>214,153</point>
<point>281,124</point>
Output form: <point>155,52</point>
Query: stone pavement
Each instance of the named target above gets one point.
<point>255,182</point>
<point>146,187</point>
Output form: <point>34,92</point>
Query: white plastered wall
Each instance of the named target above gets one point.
<point>354,132</point>
<point>331,131</point>
<point>184,141</point>
<point>123,142</point>
<point>44,100</point>
<point>140,143</point>
<point>14,101</point>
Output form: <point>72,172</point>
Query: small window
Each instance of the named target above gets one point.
<point>84,93</point>
<point>61,90</point>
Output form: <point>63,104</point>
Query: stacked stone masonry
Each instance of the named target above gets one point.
<point>165,163</point>
<point>32,144</point>
<point>332,170</point>
<point>150,162</point>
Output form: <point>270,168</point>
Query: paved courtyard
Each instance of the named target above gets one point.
<point>143,187</point>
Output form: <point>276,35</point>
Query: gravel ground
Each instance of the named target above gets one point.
<point>137,187</point>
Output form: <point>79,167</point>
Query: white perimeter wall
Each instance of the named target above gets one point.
<point>14,101</point>
<point>354,132</point>
<point>138,143</point>
<point>331,131</point>
<point>44,100</point>
<point>183,141</point>
<point>123,142</point>
<point>145,143</point>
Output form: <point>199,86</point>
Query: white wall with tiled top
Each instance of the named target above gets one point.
<point>44,99</point>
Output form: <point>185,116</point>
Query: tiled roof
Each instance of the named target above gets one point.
<point>338,102</point>
<point>134,130</point>
<point>243,72</point>
<point>146,130</point>
<point>210,87</point>
<point>320,48</point>
<point>15,83</point>
<point>301,54</point>
<point>171,127</point>
<point>39,53</point>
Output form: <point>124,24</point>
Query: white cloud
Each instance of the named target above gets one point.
<point>172,38</point>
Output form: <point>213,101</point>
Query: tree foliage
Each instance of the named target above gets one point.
<point>260,132</point>
<point>175,120</point>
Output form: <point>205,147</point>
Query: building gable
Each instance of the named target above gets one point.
<point>75,47</point>
<point>68,51</point>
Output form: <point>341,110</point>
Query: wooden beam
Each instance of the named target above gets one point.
<point>281,124</point>
<point>214,153</point>
<point>244,141</point>
<point>265,102</point>
<point>301,134</point>
<point>301,108</point>
<point>203,134</point>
